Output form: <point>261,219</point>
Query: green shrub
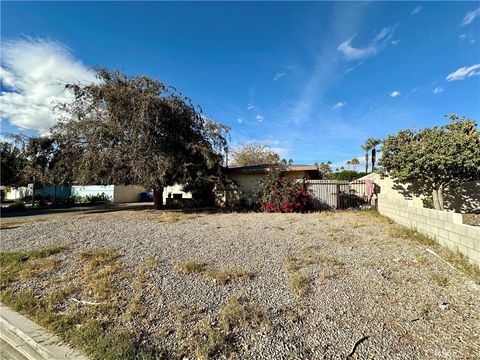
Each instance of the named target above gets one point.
<point>347,175</point>
<point>279,194</point>
<point>17,205</point>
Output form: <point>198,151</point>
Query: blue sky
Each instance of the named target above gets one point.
<point>313,80</point>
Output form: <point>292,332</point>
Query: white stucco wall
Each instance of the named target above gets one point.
<point>16,194</point>
<point>176,189</point>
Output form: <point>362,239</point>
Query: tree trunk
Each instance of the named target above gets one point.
<point>440,197</point>
<point>437,195</point>
<point>374,154</point>
<point>33,193</point>
<point>366,162</point>
<point>158,197</point>
<point>436,205</point>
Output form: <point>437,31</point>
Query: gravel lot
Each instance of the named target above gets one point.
<point>364,285</point>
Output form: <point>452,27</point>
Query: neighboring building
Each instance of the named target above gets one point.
<point>248,178</point>
<point>14,194</point>
<point>116,193</point>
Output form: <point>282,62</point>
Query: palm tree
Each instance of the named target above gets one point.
<point>366,147</point>
<point>354,163</point>
<point>373,144</point>
<point>348,164</point>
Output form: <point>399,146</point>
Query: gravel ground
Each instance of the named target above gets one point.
<point>371,287</point>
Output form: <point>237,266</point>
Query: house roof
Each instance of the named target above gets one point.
<point>263,168</point>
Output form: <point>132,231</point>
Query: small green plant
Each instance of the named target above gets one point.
<point>97,198</point>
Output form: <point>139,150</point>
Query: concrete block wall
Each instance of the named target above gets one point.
<point>444,227</point>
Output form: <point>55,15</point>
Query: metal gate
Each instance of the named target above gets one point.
<point>337,195</point>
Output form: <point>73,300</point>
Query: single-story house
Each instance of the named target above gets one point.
<point>247,179</point>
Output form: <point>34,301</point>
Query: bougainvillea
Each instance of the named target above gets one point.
<point>280,194</point>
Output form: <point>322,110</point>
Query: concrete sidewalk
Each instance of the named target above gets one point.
<point>22,339</point>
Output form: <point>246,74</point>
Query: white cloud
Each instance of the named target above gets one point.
<point>437,90</point>
<point>464,72</point>
<point>469,37</point>
<point>416,10</point>
<point>259,118</point>
<point>395,42</point>
<point>250,106</point>
<point>239,120</point>
<point>349,69</point>
<point>395,93</point>
<point>34,72</point>
<point>374,46</point>
<point>470,16</point>
<point>339,105</point>
<point>279,75</point>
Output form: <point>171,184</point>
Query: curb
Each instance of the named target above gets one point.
<point>21,338</point>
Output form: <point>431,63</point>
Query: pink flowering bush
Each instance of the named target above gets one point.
<point>280,194</point>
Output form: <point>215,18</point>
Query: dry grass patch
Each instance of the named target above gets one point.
<point>100,270</point>
<point>225,276</point>
<point>439,280</point>
<point>300,282</point>
<point>376,216</point>
<point>213,335</point>
<point>218,276</point>
<point>191,266</point>
<point>295,263</point>
<point>24,265</point>
<point>84,325</point>
<point>175,216</point>
<point>356,224</point>
<point>300,231</point>
<point>456,259</point>
<point>9,224</point>
<point>13,224</point>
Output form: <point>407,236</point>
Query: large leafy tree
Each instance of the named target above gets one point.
<point>254,153</point>
<point>13,161</point>
<point>127,130</point>
<point>325,169</point>
<point>433,159</point>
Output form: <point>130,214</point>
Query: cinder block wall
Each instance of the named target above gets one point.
<point>443,226</point>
